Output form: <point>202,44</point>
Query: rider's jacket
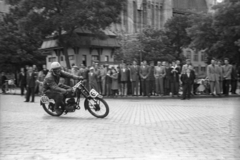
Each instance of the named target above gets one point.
<point>51,81</point>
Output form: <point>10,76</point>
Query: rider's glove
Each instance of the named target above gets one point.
<point>80,78</point>
<point>69,90</point>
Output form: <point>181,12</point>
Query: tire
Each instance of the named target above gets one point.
<point>92,109</point>
<point>48,110</point>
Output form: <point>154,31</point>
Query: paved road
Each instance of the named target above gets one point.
<point>166,129</point>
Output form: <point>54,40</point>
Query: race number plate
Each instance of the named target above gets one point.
<point>93,93</point>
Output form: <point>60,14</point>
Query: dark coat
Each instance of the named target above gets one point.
<point>187,80</point>
<point>174,74</point>
<point>31,79</point>
<point>134,73</point>
<point>144,72</point>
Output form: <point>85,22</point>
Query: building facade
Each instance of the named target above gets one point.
<point>136,15</point>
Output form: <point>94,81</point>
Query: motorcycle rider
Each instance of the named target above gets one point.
<point>55,90</point>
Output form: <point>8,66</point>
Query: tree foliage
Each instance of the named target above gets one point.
<point>63,17</point>
<point>218,34</point>
<point>30,22</point>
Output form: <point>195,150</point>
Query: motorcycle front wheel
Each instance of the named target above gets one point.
<point>98,107</point>
<point>49,108</point>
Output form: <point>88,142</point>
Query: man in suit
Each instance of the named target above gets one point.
<point>186,66</point>
<point>227,71</point>
<point>123,79</point>
<point>187,81</point>
<point>213,77</point>
<point>220,75</point>
<point>134,77</point>
<point>22,81</point>
<point>174,78</point>
<point>151,78</point>
<point>144,73</point>
<point>159,74</point>
<point>31,82</point>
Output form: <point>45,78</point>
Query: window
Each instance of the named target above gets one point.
<point>153,16</point>
<point>52,59</point>
<point>62,59</point>
<point>195,56</point>
<point>188,55</point>
<point>125,17</point>
<point>84,60</point>
<point>106,58</point>
<point>135,16</point>
<point>140,19</point>
<point>203,69</point>
<point>157,14</point>
<point>71,57</point>
<point>202,56</point>
<point>145,14</point>
<point>196,69</point>
<point>95,58</point>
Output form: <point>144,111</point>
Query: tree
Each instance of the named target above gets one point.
<point>17,48</point>
<point>63,17</point>
<point>219,33</point>
<point>175,29</point>
<point>156,45</point>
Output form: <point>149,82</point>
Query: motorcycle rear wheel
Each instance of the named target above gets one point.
<point>94,109</point>
<point>50,111</point>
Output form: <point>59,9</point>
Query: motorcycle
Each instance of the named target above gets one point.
<point>94,102</point>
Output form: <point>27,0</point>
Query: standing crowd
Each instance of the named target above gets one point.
<point>162,79</point>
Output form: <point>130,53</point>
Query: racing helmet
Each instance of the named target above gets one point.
<point>56,68</point>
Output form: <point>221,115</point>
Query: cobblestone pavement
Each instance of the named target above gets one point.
<point>166,129</point>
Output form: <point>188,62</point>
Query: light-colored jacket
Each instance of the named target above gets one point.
<point>159,72</point>
<point>212,73</point>
<point>185,67</point>
<point>227,71</point>
<point>220,72</point>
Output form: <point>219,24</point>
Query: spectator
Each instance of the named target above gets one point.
<point>92,78</point>
<point>83,71</point>
<point>220,75</point>
<point>234,77</point>
<point>140,82</point>
<point>97,73</point>
<point>22,81</point>
<point>159,74</point>
<point>174,79</point>
<point>115,84</point>
<point>187,80</point>
<point>144,73</point>
<point>35,71</point>
<point>227,71</point>
<point>129,84</point>
<point>108,82</point>
<point>74,71</point>
<point>124,78</point>
<point>31,83</point>
<point>151,79</point>
<point>186,66</point>
<point>3,82</point>
<point>213,77</point>
<point>167,78</point>
<point>103,73</point>
<point>44,70</point>
<point>40,80</point>
<point>134,78</point>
